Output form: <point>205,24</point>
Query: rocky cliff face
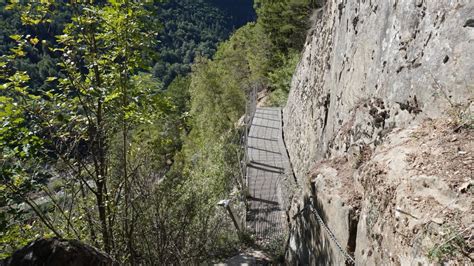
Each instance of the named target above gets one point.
<point>378,126</point>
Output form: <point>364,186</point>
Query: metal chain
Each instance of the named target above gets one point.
<point>331,235</point>
<point>250,111</point>
<point>326,228</point>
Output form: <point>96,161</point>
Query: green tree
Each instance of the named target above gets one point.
<point>280,79</point>
<point>86,121</point>
<point>285,22</point>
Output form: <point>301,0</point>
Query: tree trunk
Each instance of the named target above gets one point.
<point>103,215</point>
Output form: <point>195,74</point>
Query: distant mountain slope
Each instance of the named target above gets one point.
<point>190,28</point>
<point>194,28</point>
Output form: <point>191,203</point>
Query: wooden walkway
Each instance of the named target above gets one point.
<point>268,164</point>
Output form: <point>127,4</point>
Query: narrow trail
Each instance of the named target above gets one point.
<point>267,164</point>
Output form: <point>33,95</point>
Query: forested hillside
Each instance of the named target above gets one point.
<point>194,28</point>
<point>120,120</point>
<point>185,29</point>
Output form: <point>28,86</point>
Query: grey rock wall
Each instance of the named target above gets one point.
<point>369,70</point>
<point>406,58</point>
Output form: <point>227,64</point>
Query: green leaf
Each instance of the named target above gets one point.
<point>12,5</point>
<point>34,40</point>
<point>111,97</point>
<point>16,37</point>
<point>18,51</point>
<point>5,86</point>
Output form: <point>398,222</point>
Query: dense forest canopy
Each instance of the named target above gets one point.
<point>119,119</point>
<point>194,28</point>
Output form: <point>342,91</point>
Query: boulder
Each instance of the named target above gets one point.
<point>55,251</point>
